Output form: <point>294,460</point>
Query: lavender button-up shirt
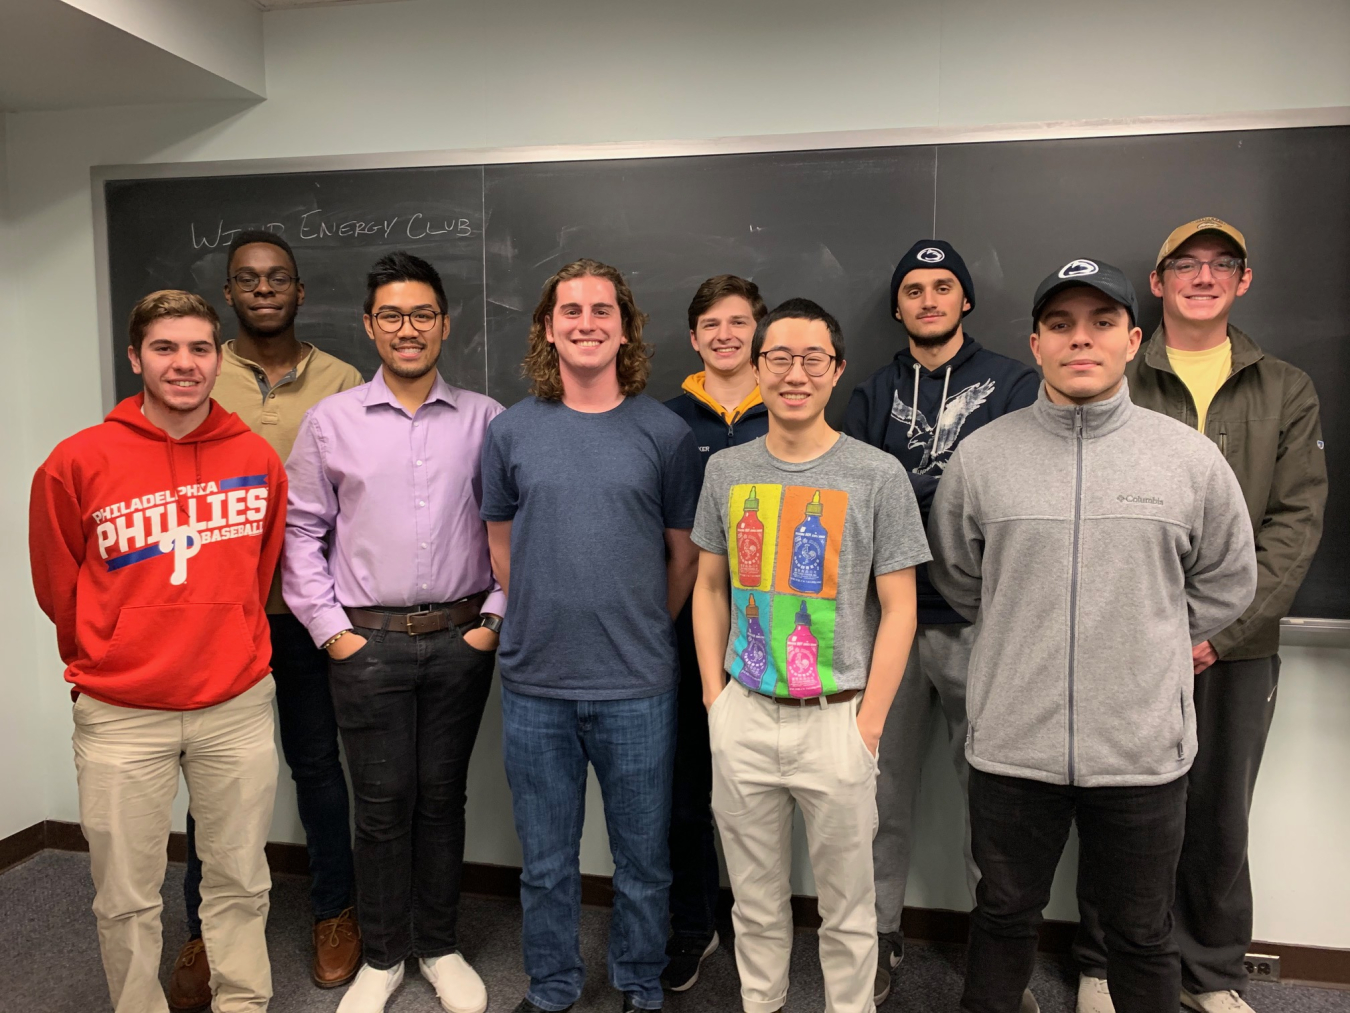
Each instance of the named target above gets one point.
<point>383,507</point>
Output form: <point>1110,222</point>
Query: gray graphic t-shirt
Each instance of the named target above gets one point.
<point>804,541</point>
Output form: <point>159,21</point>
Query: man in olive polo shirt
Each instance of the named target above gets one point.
<point>270,379</point>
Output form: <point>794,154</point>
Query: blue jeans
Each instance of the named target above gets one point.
<point>631,743</point>
<point>309,739</point>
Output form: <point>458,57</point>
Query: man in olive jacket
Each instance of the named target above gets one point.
<point>1263,415</point>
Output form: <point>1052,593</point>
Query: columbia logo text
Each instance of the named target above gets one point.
<point>1129,498</point>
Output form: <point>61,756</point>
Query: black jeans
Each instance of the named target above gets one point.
<point>409,709</point>
<point>1130,840</point>
<point>1234,705</point>
<point>309,740</point>
<point>694,887</point>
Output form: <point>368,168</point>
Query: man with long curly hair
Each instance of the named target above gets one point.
<point>589,492</point>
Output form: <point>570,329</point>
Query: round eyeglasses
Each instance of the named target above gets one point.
<point>277,281</point>
<point>815,363</point>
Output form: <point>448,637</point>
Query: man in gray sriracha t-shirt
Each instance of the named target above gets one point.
<point>746,488</point>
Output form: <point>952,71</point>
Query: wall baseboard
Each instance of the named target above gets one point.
<point>1305,965</point>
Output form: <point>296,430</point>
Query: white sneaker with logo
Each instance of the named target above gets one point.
<point>457,985</point>
<point>1094,996</point>
<point>1215,1002</point>
<point>371,989</point>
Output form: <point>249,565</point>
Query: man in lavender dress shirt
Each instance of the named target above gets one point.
<point>386,563</point>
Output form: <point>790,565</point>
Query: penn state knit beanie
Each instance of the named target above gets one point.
<point>932,253</point>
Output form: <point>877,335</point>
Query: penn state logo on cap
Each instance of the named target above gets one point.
<point>930,255</point>
<point>1078,269</point>
<point>1108,280</point>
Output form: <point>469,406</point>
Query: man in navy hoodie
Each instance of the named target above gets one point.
<point>723,407</point>
<point>940,387</point>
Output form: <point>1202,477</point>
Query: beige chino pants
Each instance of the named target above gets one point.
<point>127,762</point>
<point>768,757</point>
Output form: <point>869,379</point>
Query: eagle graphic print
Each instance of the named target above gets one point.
<point>938,439</point>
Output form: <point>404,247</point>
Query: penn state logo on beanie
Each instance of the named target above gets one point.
<point>931,253</point>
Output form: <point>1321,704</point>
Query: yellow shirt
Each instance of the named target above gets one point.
<point>1203,373</point>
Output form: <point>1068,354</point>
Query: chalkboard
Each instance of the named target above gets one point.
<point>828,225</point>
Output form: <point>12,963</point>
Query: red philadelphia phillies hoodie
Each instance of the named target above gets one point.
<point>154,557</point>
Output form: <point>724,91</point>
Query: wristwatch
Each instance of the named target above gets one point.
<point>490,622</point>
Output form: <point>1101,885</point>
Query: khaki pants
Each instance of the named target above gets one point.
<point>127,762</point>
<point>766,757</point>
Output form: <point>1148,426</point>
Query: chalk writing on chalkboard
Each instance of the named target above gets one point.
<point>315,225</point>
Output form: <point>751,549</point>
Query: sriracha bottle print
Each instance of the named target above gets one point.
<point>750,543</point>
<point>808,551</point>
<point>755,657</point>
<point>803,655</point>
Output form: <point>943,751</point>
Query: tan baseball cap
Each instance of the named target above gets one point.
<point>1183,233</point>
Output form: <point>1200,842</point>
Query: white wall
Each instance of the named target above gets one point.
<point>23,796</point>
<point>424,74</point>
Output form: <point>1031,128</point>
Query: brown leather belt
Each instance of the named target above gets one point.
<point>414,620</point>
<point>844,696</point>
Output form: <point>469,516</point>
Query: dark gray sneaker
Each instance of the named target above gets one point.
<point>890,951</point>
<point>528,1007</point>
<point>686,957</point>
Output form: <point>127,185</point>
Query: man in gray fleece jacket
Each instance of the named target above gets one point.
<point>1093,544</point>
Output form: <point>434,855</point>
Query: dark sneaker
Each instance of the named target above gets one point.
<point>528,1007</point>
<point>686,956</point>
<point>628,1006</point>
<point>890,951</point>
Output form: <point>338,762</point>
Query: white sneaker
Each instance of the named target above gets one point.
<point>1093,995</point>
<point>1029,1003</point>
<point>457,985</point>
<point>371,989</point>
<point>1215,1002</point>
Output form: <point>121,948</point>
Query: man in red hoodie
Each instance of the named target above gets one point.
<point>153,538</point>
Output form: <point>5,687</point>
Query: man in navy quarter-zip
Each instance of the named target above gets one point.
<point>940,387</point>
<point>1094,543</point>
<point>723,407</point>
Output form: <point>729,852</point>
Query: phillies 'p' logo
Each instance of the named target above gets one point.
<point>184,542</point>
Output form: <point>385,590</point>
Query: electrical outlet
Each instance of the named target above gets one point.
<point>1262,966</point>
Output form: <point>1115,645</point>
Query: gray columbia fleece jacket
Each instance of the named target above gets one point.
<point>1092,546</point>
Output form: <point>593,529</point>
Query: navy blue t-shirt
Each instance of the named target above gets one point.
<point>590,497</point>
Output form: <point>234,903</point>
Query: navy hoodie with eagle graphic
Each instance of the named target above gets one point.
<point>920,416</point>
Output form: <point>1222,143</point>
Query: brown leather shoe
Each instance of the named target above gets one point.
<point>190,980</point>
<point>337,950</point>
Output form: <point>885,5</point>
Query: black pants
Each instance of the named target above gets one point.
<point>409,709</point>
<point>309,740</point>
<point>1212,917</point>
<point>694,883</point>
<point>1130,840</point>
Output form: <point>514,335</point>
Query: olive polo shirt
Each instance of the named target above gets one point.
<point>274,412</point>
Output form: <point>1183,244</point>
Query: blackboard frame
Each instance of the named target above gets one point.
<point>1320,631</point>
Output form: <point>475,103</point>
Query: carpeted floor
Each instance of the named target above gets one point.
<point>49,960</point>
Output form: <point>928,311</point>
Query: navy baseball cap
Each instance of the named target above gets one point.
<point>1105,278</point>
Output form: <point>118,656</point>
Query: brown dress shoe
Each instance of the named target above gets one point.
<point>190,980</point>
<point>337,950</point>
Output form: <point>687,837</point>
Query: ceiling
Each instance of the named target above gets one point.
<point>54,56</point>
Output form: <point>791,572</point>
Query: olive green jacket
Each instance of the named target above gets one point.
<point>1265,421</point>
